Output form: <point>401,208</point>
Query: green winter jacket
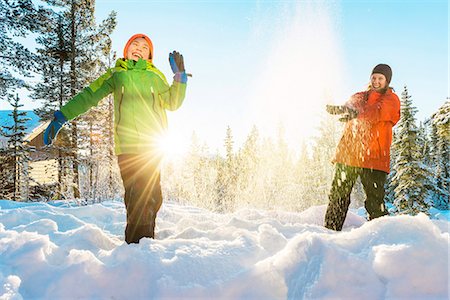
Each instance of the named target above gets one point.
<point>141,97</point>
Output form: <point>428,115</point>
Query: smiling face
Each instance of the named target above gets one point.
<point>378,81</point>
<point>139,48</point>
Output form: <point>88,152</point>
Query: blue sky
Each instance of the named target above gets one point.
<point>270,62</point>
<point>273,62</point>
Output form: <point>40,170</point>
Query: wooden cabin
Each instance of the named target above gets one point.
<point>44,163</point>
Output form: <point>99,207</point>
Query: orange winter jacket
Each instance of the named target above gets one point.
<point>367,139</point>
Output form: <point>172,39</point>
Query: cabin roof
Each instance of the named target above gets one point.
<point>37,131</point>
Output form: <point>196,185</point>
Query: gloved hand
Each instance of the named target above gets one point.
<point>347,112</point>
<point>335,109</point>
<point>348,115</point>
<point>53,128</point>
<point>177,64</point>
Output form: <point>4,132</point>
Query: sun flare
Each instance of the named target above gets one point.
<point>172,145</point>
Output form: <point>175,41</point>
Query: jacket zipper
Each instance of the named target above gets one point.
<point>154,107</point>
<point>120,109</point>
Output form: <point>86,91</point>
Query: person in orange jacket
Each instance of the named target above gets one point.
<point>364,149</point>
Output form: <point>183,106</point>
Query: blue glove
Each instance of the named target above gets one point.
<point>53,128</point>
<point>177,64</point>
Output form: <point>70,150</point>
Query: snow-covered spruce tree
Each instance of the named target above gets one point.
<point>100,176</point>
<point>411,174</point>
<point>248,170</point>
<point>195,165</point>
<point>18,18</point>
<point>423,137</point>
<point>72,44</point>
<point>177,177</point>
<point>114,177</point>
<point>423,140</point>
<point>87,42</point>
<point>53,90</point>
<point>284,191</point>
<point>323,151</point>
<point>266,171</point>
<point>440,123</point>
<point>104,173</point>
<point>304,179</point>
<point>192,178</point>
<point>390,185</point>
<point>6,188</point>
<point>226,176</point>
<point>95,139</point>
<point>115,187</point>
<point>206,177</point>
<point>16,179</point>
<point>6,174</point>
<point>93,147</point>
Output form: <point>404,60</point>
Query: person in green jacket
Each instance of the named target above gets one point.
<point>141,98</point>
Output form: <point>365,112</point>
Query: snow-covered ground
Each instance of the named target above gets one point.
<point>53,251</point>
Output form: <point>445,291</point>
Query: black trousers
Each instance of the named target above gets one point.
<point>339,198</point>
<point>143,197</point>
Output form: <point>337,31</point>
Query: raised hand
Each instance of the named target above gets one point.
<point>176,61</point>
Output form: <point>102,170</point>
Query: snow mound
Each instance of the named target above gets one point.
<point>57,251</point>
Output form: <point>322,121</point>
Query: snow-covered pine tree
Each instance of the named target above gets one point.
<point>248,168</point>
<point>17,19</point>
<point>440,123</point>
<point>100,176</point>
<point>6,188</point>
<point>86,39</point>
<point>304,179</point>
<point>177,178</point>
<point>193,178</point>
<point>15,183</point>
<point>72,44</point>
<point>323,151</point>
<point>284,191</point>
<point>53,89</point>
<point>7,176</point>
<point>411,194</point>
<point>390,184</point>
<point>114,178</point>
<point>425,158</point>
<point>200,175</point>
<point>226,176</point>
<point>95,139</point>
<point>423,137</point>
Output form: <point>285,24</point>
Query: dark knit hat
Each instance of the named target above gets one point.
<point>385,70</point>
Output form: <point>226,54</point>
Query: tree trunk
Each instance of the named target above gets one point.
<point>76,185</point>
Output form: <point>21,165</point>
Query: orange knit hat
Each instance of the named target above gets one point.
<point>139,35</point>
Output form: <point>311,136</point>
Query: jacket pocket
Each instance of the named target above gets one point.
<point>374,151</point>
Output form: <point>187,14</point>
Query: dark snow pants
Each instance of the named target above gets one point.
<point>339,198</point>
<point>143,196</point>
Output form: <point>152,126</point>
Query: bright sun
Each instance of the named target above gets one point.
<point>172,145</point>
